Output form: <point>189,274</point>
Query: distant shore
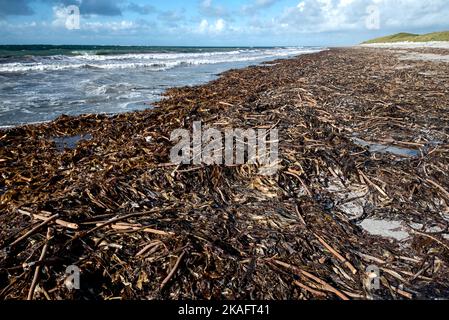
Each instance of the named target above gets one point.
<point>408,45</point>
<point>405,37</point>
<point>364,149</point>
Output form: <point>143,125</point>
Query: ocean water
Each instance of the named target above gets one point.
<point>40,83</point>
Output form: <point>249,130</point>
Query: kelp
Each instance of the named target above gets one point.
<point>139,227</point>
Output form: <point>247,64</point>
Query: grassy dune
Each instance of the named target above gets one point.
<point>400,37</point>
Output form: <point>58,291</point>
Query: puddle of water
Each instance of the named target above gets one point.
<point>381,148</point>
<point>63,143</point>
<point>385,228</point>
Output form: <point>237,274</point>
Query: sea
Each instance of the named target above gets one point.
<point>38,83</point>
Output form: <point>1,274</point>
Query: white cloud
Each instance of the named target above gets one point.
<point>204,26</point>
<point>253,24</point>
<point>208,8</point>
<point>346,15</point>
<point>257,5</point>
<point>220,25</point>
<point>59,16</point>
<point>110,26</point>
<point>217,27</point>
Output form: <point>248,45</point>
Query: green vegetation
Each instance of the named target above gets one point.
<point>399,37</point>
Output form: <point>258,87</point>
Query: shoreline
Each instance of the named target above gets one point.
<point>363,140</point>
<point>192,73</point>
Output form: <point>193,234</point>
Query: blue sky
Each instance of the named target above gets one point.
<point>217,22</point>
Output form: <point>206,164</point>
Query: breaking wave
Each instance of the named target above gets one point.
<point>150,61</point>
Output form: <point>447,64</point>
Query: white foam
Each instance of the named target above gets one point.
<point>151,61</point>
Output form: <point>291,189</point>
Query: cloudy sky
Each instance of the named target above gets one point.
<point>217,22</point>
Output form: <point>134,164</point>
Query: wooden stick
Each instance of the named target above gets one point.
<point>148,247</point>
<point>309,289</point>
<point>301,218</point>
<point>336,254</point>
<point>113,221</point>
<point>29,233</point>
<point>173,271</point>
<point>444,191</point>
<point>431,237</point>
<point>68,225</point>
<point>131,227</point>
<point>225,104</point>
<point>373,184</point>
<point>367,257</point>
<point>403,293</point>
<point>38,268</point>
<point>325,286</point>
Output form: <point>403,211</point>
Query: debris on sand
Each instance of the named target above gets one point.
<point>138,227</point>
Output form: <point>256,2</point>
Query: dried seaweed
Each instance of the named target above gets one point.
<point>140,228</point>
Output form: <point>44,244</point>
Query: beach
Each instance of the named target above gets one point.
<point>362,185</point>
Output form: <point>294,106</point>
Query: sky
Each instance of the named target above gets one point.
<point>216,22</point>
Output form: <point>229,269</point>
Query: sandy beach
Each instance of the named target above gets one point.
<point>363,182</point>
<point>409,45</point>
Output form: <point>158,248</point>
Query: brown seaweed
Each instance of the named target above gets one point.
<point>141,228</point>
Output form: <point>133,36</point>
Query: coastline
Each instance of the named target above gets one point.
<point>41,88</point>
<point>236,235</point>
<point>408,45</point>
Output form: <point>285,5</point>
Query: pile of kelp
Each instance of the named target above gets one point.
<point>363,135</point>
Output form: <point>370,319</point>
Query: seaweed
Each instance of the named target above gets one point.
<point>139,227</point>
